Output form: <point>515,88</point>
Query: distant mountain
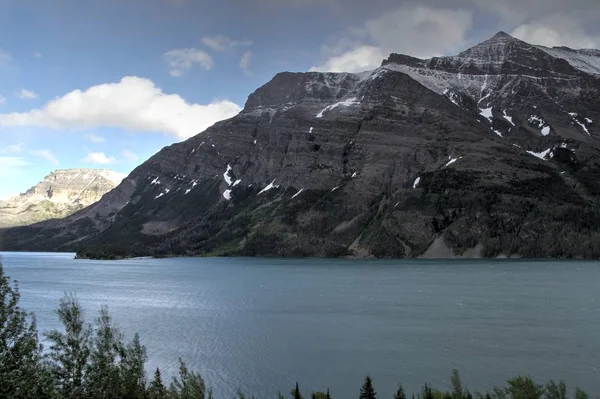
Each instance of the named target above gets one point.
<point>492,152</point>
<point>61,193</point>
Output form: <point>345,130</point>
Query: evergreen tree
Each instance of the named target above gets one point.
<point>457,389</point>
<point>189,385</point>
<point>296,392</point>
<point>524,388</point>
<point>400,393</point>
<point>327,394</point>
<point>70,350</point>
<point>133,371</point>
<point>22,374</point>
<point>556,391</point>
<point>367,391</point>
<point>103,373</point>
<point>427,392</point>
<point>157,390</point>
<point>579,394</point>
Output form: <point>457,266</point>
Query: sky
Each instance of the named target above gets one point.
<point>106,84</point>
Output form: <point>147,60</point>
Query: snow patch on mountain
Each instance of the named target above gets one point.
<point>345,103</point>
<point>586,60</point>
<point>268,187</point>
<point>508,118</point>
<point>487,113</point>
<point>541,155</point>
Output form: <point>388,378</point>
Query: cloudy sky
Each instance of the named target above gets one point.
<point>108,83</point>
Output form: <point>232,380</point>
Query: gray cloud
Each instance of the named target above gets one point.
<point>432,27</point>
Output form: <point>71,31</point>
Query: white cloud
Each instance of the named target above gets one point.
<point>224,43</point>
<point>13,148</point>
<point>94,138</point>
<point>5,58</point>
<point>556,30</point>
<point>133,104</point>
<point>363,58</point>
<point>99,158</point>
<point>46,154</point>
<point>245,62</point>
<point>183,59</point>
<point>25,94</point>
<point>130,156</point>
<point>37,54</point>
<point>420,31</point>
<point>2,100</point>
<point>10,165</point>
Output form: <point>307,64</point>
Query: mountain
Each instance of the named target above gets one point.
<point>492,152</point>
<point>61,193</point>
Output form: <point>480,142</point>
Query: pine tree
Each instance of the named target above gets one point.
<point>189,385</point>
<point>157,390</point>
<point>70,350</point>
<point>328,395</point>
<point>367,391</point>
<point>400,393</point>
<point>556,391</point>
<point>579,394</point>
<point>22,374</point>
<point>103,373</point>
<point>296,392</point>
<point>427,392</point>
<point>524,388</point>
<point>457,388</point>
<point>132,369</point>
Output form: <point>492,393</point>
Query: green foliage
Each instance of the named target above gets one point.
<point>367,391</point>
<point>157,390</point>
<point>70,350</point>
<point>296,392</point>
<point>556,391</point>
<point>400,393</point>
<point>189,385</point>
<point>21,373</point>
<point>524,388</point>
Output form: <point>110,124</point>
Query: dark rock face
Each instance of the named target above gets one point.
<point>482,154</point>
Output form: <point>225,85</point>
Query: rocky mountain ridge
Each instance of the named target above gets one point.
<point>61,193</point>
<point>493,152</point>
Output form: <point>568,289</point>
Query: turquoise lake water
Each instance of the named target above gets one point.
<point>262,324</point>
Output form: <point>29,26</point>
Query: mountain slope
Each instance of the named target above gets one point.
<point>61,193</point>
<point>491,152</point>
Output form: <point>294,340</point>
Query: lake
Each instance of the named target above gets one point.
<point>262,324</point>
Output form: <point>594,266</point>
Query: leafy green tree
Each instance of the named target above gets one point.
<point>70,350</point>
<point>367,391</point>
<point>319,395</point>
<point>133,373</point>
<point>579,394</point>
<point>524,388</point>
<point>458,391</point>
<point>22,374</point>
<point>103,372</point>
<point>296,392</point>
<point>189,385</point>
<point>157,390</point>
<point>400,393</point>
<point>427,392</point>
<point>556,391</point>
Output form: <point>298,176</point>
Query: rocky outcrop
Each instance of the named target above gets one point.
<point>60,194</point>
<point>493,152</point>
